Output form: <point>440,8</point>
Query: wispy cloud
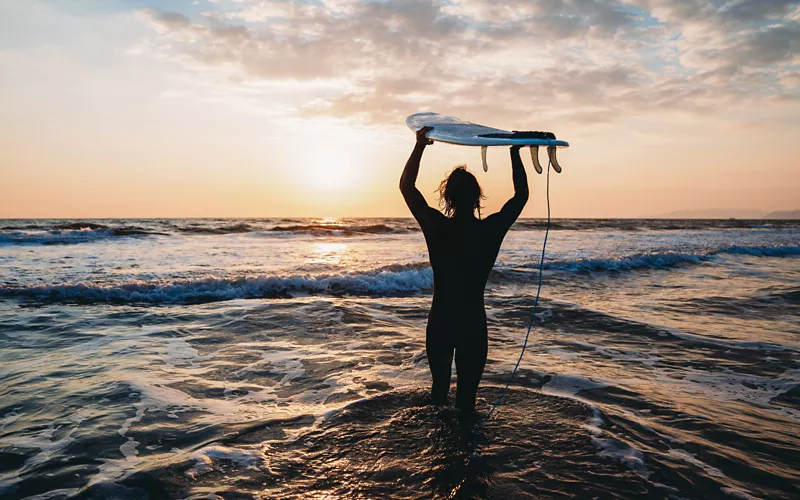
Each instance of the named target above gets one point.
<point>567,59</point>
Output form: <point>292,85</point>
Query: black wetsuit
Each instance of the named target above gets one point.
<point>462,252</point>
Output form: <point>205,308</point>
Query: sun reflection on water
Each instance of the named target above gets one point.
<point>330,253</point>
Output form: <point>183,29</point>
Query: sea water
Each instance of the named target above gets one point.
<point>285,358</point>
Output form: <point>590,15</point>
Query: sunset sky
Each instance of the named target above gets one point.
<point>218,108</point>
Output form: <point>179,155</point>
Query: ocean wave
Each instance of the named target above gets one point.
<point>87,232</point>
<point>394,279</point>
<point>70,237</point>
<point>762,251</point>
<point>34,231</point>
<point>25,227</point>
<point>630,225</point>
<point>81,226</point>
<point>627,263</point>
<point>340,230</point>
<point>660,260</point>
<point>227,229</point>
<point>541,224</point>
<point>391,280</point>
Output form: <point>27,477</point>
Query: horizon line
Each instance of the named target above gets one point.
<point>651,217</point>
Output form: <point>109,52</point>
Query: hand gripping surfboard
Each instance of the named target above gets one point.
<point>452,130</point>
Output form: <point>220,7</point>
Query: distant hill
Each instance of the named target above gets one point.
<point>783,214</point>
<point>730,213</point>
<point>714,213</point>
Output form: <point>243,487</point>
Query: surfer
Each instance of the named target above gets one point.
<point>462,250</point>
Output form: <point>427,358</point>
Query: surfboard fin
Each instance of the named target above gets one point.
<point>535,158</point>
<point>483,158</point>
<point>551,152</point>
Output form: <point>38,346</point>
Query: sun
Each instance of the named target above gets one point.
<point>331,168</point>
<point>331,176</point>
<point>327,161</point>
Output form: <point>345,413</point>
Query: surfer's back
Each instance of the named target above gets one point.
<point>462,253</point>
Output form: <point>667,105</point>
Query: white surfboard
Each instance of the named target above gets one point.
<point>452,130</point>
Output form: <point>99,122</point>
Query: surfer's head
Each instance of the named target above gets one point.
<point>460,193</point>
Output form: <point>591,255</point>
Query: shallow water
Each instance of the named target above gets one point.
<point>189,357</point>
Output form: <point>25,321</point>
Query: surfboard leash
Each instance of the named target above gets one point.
<point>530,323</point>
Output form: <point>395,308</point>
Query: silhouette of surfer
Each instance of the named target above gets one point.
<point>462,250</point>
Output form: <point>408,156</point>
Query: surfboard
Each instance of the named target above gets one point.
<point>452,130</point>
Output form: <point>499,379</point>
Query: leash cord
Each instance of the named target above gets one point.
<point>530,323</point>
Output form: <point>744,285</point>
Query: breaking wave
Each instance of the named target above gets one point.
<point>651,224</point>
<point>395,279</point>
<point>385,281</point>
<point>662,260</point>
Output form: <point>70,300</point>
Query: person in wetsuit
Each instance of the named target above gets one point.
<point>462,250</point>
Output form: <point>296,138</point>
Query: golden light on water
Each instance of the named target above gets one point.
<point>330,253</point>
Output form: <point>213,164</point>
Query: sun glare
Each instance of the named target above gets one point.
<point>330,253</point>
<point>328,155</point>
<point>330,176</point>
<point>329,165</point>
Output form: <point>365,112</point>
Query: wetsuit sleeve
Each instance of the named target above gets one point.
<point>513,207</point>
<point>426,216</point>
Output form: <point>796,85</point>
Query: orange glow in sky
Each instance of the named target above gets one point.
<point>259,108</point>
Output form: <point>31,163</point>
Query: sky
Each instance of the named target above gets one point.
<point>290,108</point>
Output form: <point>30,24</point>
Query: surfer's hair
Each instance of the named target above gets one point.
<point>460,193</point>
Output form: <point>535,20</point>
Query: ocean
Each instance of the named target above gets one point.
<point>285,358</point>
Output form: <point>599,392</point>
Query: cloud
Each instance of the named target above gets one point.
<point>169,20</point>
<point>748,11</point>
<point>775,44</point>
<point>560,59</point>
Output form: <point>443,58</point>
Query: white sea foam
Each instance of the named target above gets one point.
<point>180,352</point>
<point>287,363</point>
<point>737,493</point>
<point>58,494</point>
<point>9,418</point>
<point>621,452</point>
<point>569,385</point>
<point>739,344</point>
<point>614,448</point>
<point>692,459</point>
<point>206,457</point>
<point>43,441</point>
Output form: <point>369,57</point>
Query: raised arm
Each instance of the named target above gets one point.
<point>513,207</point>
<point>414,199</point>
